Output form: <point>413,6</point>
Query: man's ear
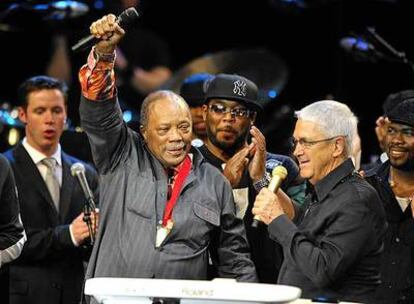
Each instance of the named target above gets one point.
<point>22,115</point>
<point>339,148</point>
<point>205,109</point>
<point>143,131</point>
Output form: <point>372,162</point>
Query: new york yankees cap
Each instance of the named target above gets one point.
<point>233,87</point>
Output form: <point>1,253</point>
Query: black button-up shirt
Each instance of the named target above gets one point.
<point>397,262</point>
<point>334,248</point>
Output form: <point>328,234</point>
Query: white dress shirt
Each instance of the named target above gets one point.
<point>37,158</point>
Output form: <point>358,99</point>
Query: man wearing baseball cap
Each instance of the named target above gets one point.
<point>230,110</point>
<point>394,181</point>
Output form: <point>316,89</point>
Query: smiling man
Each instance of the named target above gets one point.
<point>230,109</point>
<point>164,207</point>
<point>394,181</point>
<point>333,245</point>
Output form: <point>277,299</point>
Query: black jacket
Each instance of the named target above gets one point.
<point>11,228</point>
<point>50,268</point>
<point>397,262</point>
<point>334,248</point>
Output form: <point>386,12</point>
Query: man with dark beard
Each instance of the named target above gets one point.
<point>394,181</point>
<point>230,111</point>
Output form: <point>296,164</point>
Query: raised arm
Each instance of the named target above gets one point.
<point>100,114</point>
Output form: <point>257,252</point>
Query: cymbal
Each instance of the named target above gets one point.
<point>268,71</point>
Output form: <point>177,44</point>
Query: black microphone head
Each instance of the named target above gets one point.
<point>128,17</point>
<point>77,168</point>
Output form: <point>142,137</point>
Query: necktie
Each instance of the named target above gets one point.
<point>51,180</point>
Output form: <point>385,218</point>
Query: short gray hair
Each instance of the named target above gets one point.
<point>334,119</point>
<point>154,96</point>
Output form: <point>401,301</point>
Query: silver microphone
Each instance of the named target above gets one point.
<point>78,171</point>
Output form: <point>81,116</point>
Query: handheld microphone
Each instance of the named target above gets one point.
<point>279,173</point>
<point>78,171</point>
<point>125,20</point>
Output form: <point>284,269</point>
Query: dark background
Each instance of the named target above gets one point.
<point>307,40</point>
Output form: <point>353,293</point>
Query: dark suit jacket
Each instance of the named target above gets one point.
<point>50,268</point>
<point>11,228</point>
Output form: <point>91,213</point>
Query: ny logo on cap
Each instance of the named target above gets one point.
<point>240,88</point>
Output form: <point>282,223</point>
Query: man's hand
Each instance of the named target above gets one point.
<point>80,229</point>
<point>235,166</point>
<point>381,126</point>
<point>109,33</point>
<point>258,152</point>
<point>267,206</point>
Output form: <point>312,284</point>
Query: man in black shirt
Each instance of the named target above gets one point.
<point>394,181</point>
<point>230,111</point>
<point>333,247</point>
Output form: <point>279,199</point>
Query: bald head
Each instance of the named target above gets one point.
<point>156,97</point>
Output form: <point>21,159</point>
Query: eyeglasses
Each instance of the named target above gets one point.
<point>221,110</point>
<point>306,144</point>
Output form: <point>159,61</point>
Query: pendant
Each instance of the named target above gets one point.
<point>162,232</point>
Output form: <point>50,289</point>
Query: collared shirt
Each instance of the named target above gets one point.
<point>37,158</point>
<point>334,248</point>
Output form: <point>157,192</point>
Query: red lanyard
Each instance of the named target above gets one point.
<point>181,176</point>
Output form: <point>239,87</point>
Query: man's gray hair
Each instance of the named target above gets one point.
<point>334,119</point>
<point>155,96</point>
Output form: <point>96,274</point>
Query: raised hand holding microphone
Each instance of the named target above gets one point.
<point>267,205</point>
<point>108,32</point>
<point>125,20</point>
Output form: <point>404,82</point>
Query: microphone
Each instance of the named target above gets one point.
<point>78,171</point>
<point>279,173</point>
<point>125,20</point>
